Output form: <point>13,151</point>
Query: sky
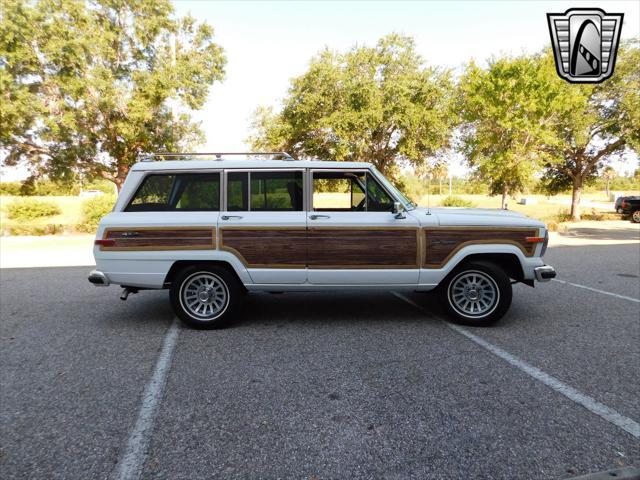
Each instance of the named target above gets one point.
<point>267,43</point>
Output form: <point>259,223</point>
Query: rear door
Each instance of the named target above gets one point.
<point>353,235</point>
<point>264,223</point>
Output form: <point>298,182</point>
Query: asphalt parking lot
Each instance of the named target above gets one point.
<point>322,385</point>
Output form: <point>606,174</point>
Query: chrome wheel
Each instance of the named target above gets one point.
<point>636,216</point>
<point>204,296</point>
<point>473,294</point>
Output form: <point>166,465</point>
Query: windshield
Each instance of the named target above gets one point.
<point>408,204</point>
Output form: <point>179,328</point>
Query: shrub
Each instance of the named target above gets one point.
<point>49,188</point>
<point>31,229</point>
<point>10,188</point>
<point>599,216</point>
<point>563,215</point>
<point>33,187</point>
<point>104,186</point>
<point>454,201</point>
<point>30,209</point>
<point>93,210</point>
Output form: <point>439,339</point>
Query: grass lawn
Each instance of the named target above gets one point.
<point>544,208</point>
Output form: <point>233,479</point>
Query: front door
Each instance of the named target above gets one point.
<point>353,235</point>
<point>264,224</point>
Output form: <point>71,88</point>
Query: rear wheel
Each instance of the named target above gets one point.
<point>636,216</point>
<point>205,297</point>
<point>476,293</point>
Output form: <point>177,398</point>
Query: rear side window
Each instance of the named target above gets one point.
<point>186,192</point>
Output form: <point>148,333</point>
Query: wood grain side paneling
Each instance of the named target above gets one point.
<point>160,238</point>
<point>373,247</point>
<point>266,247</point>
<point>440,244</point>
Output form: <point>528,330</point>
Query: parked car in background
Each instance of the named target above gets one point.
<point>631,206</point>
<point>212,230</point>
<point>618,204</point>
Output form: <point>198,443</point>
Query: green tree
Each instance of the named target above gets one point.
<point>504,120</point>
<point>592,122</point>
<point>434,169</point>
<point>380,104</point>
<point>608,174</point>
<point>88,85</point>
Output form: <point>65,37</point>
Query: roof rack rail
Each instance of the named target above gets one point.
<point>150,157</point>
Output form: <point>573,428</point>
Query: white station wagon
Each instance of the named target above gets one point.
<point>211,230</point>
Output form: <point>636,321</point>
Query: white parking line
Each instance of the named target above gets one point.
<point>132,462</point>
<point>610,415</point>
<point>624,297</point>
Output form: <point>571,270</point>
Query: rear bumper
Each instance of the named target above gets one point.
<point>545,273</point>
<point>98,278</point>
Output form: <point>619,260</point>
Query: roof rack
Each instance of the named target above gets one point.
<point>150,157</point>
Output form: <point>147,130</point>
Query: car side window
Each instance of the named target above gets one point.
<point>186,192</point>
<point>237,191</point>
<point>378,200</point>
<point>275,191</point>
<point>339,191</point>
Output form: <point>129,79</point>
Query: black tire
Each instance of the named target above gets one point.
<point>635,216</point>
<point>213,289</point>
<point>482,285</point>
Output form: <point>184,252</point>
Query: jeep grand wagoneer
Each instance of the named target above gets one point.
<point>212,230</point>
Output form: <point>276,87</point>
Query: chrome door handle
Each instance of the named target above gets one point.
<point>228,217</point>
<point>315,217</point>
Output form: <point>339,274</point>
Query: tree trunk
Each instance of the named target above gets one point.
<point>118,181</point>
<point>121,175</point>
<point>439,186</point>
<point>606,188</point>
<point>575,198</point>
<point>505,196</point>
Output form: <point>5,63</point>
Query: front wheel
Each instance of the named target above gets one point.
<point>636,216</point>
<point>205,297</point>
<point>477,293</point>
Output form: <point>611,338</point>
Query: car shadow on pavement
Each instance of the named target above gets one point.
<point>335,308</point>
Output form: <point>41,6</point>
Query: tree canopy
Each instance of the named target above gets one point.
<point>591,123</point>
<point>518,118</point>
<point>379,104</point>
<point>87,86</point>
<point>505,118</point>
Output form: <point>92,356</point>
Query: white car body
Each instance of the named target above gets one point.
<point>149,268</point>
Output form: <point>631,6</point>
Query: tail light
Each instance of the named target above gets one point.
<point>107,242</point>
<point>624,204</point>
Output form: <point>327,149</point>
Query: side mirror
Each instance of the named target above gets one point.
<point>398,210</point>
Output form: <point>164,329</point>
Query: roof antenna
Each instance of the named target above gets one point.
<point>429,194</point>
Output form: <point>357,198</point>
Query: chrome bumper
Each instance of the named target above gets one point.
<point>545,273</point>
<point>98,278</point>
